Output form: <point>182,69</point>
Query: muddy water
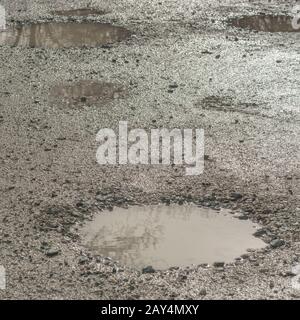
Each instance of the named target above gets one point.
<point>86,92</point>
<point>63,35</point>
<point>79,12</point>
<point>166,236</point>
<point>266,23</point>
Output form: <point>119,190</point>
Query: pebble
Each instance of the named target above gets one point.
<point>259,233</point>
<point>236,196</point>
<point>83,260</point>
<point>277,243</point>
<point>203,292</point>
<point>219,264</point>
<point>148,269</point>
<point>52,252</point>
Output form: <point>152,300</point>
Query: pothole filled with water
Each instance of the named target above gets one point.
<point>266,23</point>
<point>86,92</point>
<point>169,236</point>
<point>82,12</point>
<point>63,35</point>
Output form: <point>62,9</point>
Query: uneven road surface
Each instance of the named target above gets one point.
<point>183,66</point>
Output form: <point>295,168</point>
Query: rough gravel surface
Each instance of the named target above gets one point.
<point>240,86</point>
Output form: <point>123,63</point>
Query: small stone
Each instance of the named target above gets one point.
<point>52,252</point>
<point>203,292</point>
<point>174,294</point>
<point>244,217</point>
<point>148,269</point>
<point>259,233</point>
<point>219,264</point>
<point>182,277</point>
<point>287,274</point>
<point>236,196</point>
<point>277,243</point>
<point>245,256</point>
<point>115,270</point>
<point>83,260</point>
<point>204,265</point>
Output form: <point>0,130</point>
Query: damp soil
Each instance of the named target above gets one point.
<point>63,35</point>
<point>266,23</point>
<point>86,92</point>
<point>48,157</point>
<point>169,236</point>
<point>82,12</point>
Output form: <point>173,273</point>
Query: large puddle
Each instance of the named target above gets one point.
<point>169,236</point>
<point>266,23</point>
<point>86,92</point>
<point>63,35</point>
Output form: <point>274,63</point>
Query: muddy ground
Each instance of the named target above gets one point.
<point>240,86</point>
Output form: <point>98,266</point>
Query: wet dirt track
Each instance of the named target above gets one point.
<point>183,66</point>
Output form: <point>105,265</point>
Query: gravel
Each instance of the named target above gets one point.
<point>51,183</point>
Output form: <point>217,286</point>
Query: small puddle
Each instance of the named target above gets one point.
<point>82,12</point>
<point>266,23</point>
<point>86,92</point>
<point>63,35</point>
<point>168,236</point>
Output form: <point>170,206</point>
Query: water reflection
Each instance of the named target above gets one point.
<point>265,23</point>
<point>86,92</point>
<point>165,236</point>
<point>63,35</point>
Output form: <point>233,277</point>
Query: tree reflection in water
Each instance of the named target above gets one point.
<point>63,35</point>
<point>164,236</point>
<point>265,23</point>
<point>129,238</point>
<point>86,92</point>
